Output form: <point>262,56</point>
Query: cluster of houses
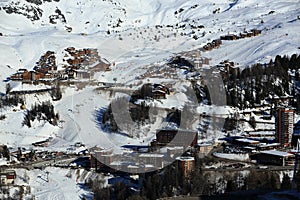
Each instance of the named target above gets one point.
<point>164,72</point>
<point>80,64</point>
<point>7,177</point>
<point>189,60</point>
<point>227,68</point>
<point>153,91</point>
<point>245,34</point>
<point>211,45</point>
<point>81,57</point>
<point>173,142</point>
<point>46,69</point>
<point>268,146</point>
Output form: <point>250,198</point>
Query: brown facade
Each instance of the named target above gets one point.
<point>7,177</point>
<point>170,137</point>
<point>284,126</point>
<point>186,165</point>
<point>101,159</point>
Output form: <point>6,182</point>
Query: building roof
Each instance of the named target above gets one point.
<point>151,155</point>
<point>277,153</point>
<point>245,140</point>
<point>185,158</point>
<point>268,145</point>
<point>204,144</point>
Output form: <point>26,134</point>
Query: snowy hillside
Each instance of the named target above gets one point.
<point>138,22</point>
<point>132,34</point>
<point>68,66</point>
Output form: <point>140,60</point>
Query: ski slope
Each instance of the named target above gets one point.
<point>134,43</point>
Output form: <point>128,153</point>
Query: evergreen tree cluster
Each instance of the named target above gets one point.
<point>44,111</point>
<point>137,113</point>
<point>253,84</point>
<point>10,100</point>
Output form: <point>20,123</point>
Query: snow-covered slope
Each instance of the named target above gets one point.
<point>24,40</point>
<point>133,34</point>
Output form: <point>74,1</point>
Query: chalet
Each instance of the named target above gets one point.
<point>28,76</point>
<point>169,137</point>
<point>256,32</point>
<point>38,76</point>
<point>186,165</point>
<point>100,66</point>
<point>46,63</point>
<point>204,149</point>
<point>83,74</point>
<point>7,177</point>
<point>274,157</point>
<point>82,57</point>
<point>208,46</point>
<point>229,37</point>
<point>155,91</point>
<point>17,76</point>
<point>216,42</point>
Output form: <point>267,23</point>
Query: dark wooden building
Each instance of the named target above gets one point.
<point>176,138</point>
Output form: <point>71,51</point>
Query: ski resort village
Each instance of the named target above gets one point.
<point>164,99</point>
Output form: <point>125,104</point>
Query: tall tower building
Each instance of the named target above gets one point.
<point>284,126</point>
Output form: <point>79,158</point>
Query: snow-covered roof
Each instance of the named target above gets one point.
<point>151,155</point>
<point>269,145</point>
<point>262,133</point>
<point>277,153</point>
<point>204,144</point>
<point>247,140</point>
<point>184,158</point>
<point>250,148</point>
<point>160,91</point>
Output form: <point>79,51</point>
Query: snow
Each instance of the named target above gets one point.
<point>3,161</point>
<point>134,47</point>
<point>57,183</point>
<point>245,140</point>
<point>277,153</point>
<point>19,86</point>
<point>185,158</point>
<point>239,157</point>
